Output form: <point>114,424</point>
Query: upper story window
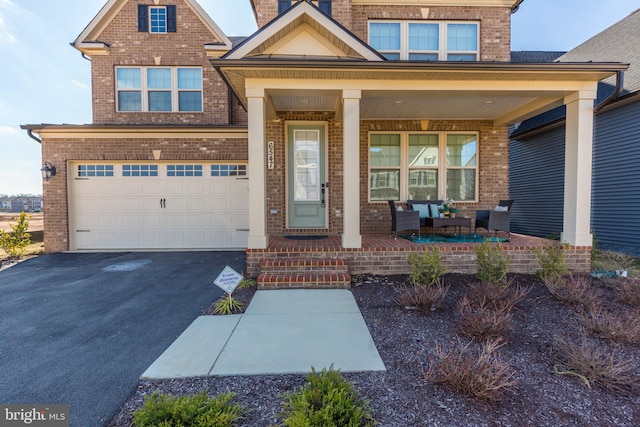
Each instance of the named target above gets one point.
<point>159,89</point>
<point>425,41</point>
<point>157,19</point>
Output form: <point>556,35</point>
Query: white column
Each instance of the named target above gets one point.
<point>258,238</point>
<point>351,237</point>
<point>577,169</point>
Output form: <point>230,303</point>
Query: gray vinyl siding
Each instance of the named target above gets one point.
<point>536,183</point>
<point>615,211</point>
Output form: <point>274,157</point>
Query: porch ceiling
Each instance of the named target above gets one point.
<point>505,93</point>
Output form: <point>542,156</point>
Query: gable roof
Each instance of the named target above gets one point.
<point>89,42</point>
<point>303,31</point>
<point>620,43</point>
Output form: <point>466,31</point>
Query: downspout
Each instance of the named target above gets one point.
<point>614,95</point>
<point>32,136</point>
<point>85,56</point>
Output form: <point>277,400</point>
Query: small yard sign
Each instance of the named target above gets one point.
<point>228,280</point>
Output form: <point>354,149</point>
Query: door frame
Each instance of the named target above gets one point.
<point>324,167</point>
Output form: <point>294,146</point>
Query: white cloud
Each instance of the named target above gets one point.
<point>8,130</point>
<point>80,84</point>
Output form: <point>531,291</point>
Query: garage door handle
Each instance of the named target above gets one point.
<point>163,203</point>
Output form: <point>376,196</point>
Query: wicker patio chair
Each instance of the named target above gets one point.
<point>495,221</point>
<point>403,220</point>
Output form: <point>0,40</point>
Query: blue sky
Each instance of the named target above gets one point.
<point>44,80</point>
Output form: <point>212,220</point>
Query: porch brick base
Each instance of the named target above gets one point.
<point>288,273</point>
<point>384,255</point>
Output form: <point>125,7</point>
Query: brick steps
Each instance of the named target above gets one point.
<point>309,273</point>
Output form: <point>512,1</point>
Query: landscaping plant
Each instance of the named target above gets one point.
<point>227,304</point>
<point>198,410</point>
<point>14,242</point>
<point>575,291</point>
<point>621,326</point>
<point>479,373</point>
<point>428,299</point>
<point>492,263</point>
<point>594,364</point>
<point>482,319</point>
<point>552,263</point>
<point>426,268</point>
<point>326,400</point>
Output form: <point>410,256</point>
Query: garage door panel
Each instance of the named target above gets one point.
<point>159,211</point>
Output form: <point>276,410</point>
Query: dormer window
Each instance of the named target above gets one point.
<point>157,19</point>
<point>425,40</point>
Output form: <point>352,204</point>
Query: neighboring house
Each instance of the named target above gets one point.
<point>538,157</point>
<point>329,110</point>
<point>5,204</point>
<point>24,204</point>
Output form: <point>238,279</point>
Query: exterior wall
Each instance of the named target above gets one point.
<point>132,48</point>
<point>495,23</point>
<point>61,151</point>
<point>536,183</point>
<point>493,170</point>
<point>268,9</point>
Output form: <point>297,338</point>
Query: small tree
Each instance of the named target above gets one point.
<point>426,269</point>
<point>15,242</point>
<point>492,262</point>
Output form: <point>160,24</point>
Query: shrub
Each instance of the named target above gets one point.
<point>197,410</point>
<point>247,283</point>
<point>482,319</point>
<point>427,268</point>
<point>630,293</point>
<point>422,298</point>
<point>14,242</point>
<point>552,263</point>
<point>500,296</point>
<point>481,374</point>
<point>622,326</point>
<point>227,304</point>
<point>325,400</point>
<point>492,263</point>
<point>574,290</point>
<point>595,364</point>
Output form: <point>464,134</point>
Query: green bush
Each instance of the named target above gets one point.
<point>552,263</point>
<point>15,242</point>
<point>492,262</point>
<point>198,410</point>
<point>426,268</point>
<point>227,304</point>
<point>325,400</point>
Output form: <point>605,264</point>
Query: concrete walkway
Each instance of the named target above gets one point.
<point>281,332</point>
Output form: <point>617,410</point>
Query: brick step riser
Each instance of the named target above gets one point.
<point>289,280</point>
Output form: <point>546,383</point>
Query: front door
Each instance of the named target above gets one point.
<point>307,190</point>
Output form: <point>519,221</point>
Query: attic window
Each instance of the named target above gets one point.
<point>157,19</point>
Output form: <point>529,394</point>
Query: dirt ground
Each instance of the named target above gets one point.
<point>36,229</point>
<point>407,340</point>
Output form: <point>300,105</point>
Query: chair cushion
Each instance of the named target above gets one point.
<point>502,208</point>
<point>424,211</point>
<point>435,210</point>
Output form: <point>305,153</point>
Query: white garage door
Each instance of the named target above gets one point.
<point>159,206</point>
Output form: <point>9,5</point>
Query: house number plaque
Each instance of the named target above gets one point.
<point>270,155</point>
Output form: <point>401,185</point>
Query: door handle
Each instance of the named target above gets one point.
<point>322,192</point>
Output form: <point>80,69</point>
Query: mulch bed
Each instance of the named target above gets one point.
<point>406,338</point>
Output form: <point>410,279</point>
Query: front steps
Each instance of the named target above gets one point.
<point>308,273</point>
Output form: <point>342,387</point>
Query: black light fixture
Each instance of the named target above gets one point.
<point>48,170</point>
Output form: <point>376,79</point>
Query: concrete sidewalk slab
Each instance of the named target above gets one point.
<point>281,332</point>
<point>195,351</point>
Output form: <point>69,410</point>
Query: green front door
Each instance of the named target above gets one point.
<point>306,176</point>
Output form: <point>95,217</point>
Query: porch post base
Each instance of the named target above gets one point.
<point>258,242</point>
<point>351,241</point>
<point>577,239</point>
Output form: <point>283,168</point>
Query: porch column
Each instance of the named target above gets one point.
<point>576,229</point>
<point>258,238</point>
<point>351,237</point>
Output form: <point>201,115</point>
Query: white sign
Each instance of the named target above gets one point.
<point>228,280</point>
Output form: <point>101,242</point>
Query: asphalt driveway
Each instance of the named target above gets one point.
<point>79,329</point>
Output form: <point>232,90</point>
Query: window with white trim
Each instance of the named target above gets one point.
<point>169,89</point>
<point>425,40</point>
<point>423,166</point>
<point>157,19</point>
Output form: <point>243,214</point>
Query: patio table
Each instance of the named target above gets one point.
<point>450,222</point>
